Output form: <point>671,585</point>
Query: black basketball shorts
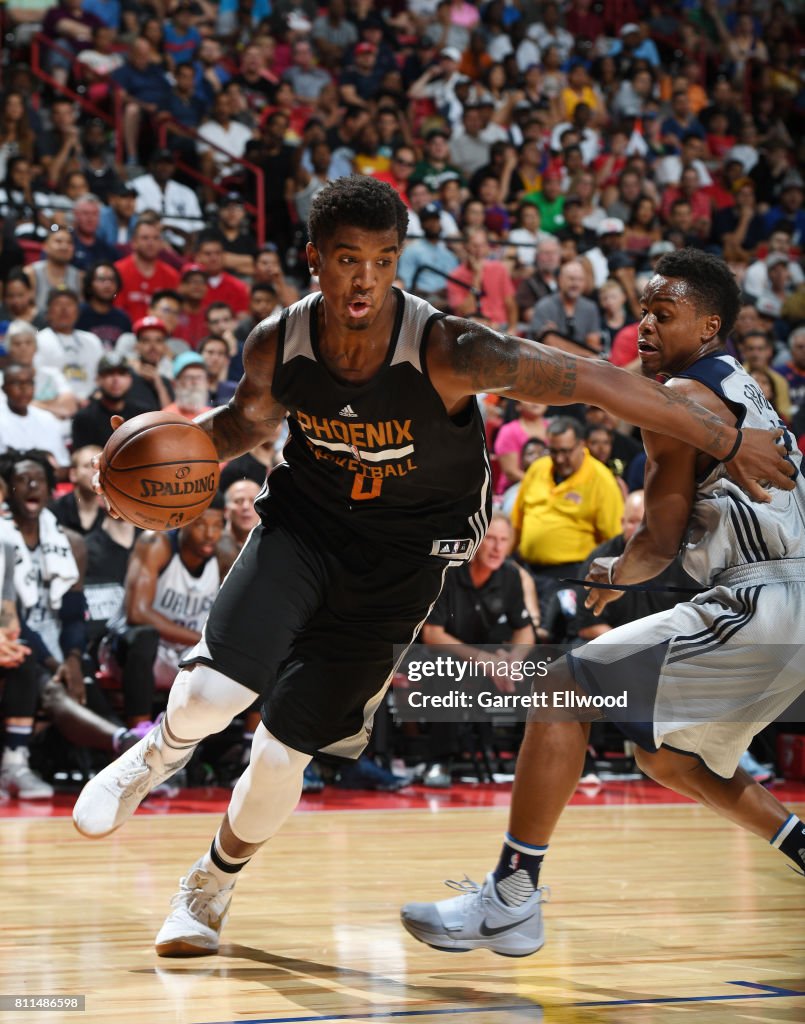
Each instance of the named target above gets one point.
<point>310,625</point>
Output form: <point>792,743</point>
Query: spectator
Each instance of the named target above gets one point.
<point>151,388</point>
<point>305,78</point>
<point>63,347</point>
<point>543,282</point>
<point>52,609</point>
<point>221,139</point>
<point>527,238</point>
<point>468,149</point>
<point>669,169</point>
<point>92,425</point>
<point>168,591</point>
<point>71,29</point>
<point>221,324</point>
<point>482,603</point>
<point>488,290</point>
<point>793,369</point>
<point>567,311</point>
<point>256,82</point>
<point>789,207</point>
<point>232,231</point>
<point>529,423</point>
<point>185,106</point>
<point>97,313</point>
<point>359,82</point>
<point>56,270</point>
<point>23,424</point>
<point>182,38</point>
<point>81,509</point>
<point>16,134</point>
<point>436,165</point>
<point>425,263</point>
<point>738,229</point>
<point>145,89</point>
<point>681,122</point>
<point>420,196</point>
<point>192,324</point>
<point>176,204</point>
<point>51,390</point>
<point>568,502</point>
<point>757,352</point>
<point>333,34</point>
<point>643,230</point>
<point>18,299</point>
<point>215,353</point>
<point>143,273</point>
<point>549,201</point>
<point>89,247</point>
<point>574,228</point>
<point>165,305</point>
<point>221,286</point>
<point>403,162</point>
<point>310,182</point>
<point>117,219</point>
<point>190,386</point>
<point>614,312</point>
<point>263,302</point>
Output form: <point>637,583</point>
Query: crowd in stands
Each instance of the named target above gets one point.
<point>548,153</point>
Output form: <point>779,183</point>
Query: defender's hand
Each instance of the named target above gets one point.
<point>601,572</point>
<point>760,462</point>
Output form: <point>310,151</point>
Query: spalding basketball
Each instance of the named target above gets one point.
<point>159,471</point>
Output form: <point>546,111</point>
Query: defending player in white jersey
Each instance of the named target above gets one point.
<point>710,672</point>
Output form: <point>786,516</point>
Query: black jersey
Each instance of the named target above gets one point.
<point>382,459</point>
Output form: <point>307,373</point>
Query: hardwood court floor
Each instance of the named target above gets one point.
<point>659,914</point>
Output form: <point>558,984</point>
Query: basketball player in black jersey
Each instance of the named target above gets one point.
<point>385,486</point>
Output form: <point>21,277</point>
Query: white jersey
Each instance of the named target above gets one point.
<point>184,598</point>
<point>726,529</point>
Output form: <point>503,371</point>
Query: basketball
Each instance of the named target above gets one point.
<point>159,471</point>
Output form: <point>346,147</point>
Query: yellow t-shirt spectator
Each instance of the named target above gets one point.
<point>563,522</point>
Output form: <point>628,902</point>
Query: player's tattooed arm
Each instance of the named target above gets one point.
<point>468,358</point>
<point>253,414</point>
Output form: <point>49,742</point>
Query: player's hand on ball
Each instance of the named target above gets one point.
<point>96,476</point>
<point>601,572</point>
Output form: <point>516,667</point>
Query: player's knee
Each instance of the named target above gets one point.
<point>272,758</point>
<point>203,699</point>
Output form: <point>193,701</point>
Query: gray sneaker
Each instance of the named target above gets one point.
<point>110,799</point>
<point>19,780</point>
<point>200,909</point>
<point>478,920</point>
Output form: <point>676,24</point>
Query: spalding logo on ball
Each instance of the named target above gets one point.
<point>159,471</point>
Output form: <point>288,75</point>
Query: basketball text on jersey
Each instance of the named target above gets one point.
<point>368,444</point>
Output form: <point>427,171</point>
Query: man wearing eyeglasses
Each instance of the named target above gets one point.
<point>567,504</point>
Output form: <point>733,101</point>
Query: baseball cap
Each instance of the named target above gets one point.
<point>121,188</point>
<point>610,226</point>
<point>111,361</point>
<point>185,359</point>
<point>768,305</point>
<point>230,199</point>
<point>451,53</point>
<point>428,211</point>
<point>193,268</point>
<point>149,323</point>
<point>628,28</point>
<point>774,259</point>
<point>364,48</point>
<point>660,248</point>
<point>163,156</point>
<point>793,179</point>
<point>434,132</point>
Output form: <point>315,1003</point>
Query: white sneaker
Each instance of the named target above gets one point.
<point>478,920</point>
<point>200,908</point>
<point>19,780</point>
<point>110,799</point>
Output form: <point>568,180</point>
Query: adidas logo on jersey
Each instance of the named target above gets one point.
<point>348,412</point>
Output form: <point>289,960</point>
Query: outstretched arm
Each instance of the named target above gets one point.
<point>252,414</point>
<point>465,358</point>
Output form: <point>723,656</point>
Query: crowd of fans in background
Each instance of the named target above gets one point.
<point>548,154</point>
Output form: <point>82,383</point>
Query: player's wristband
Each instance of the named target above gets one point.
<point>734,450</point>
